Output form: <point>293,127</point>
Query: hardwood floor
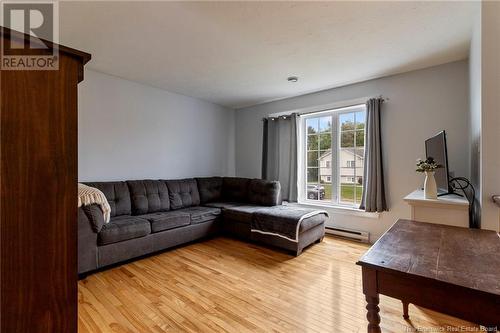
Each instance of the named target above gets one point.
<point>224,285</point>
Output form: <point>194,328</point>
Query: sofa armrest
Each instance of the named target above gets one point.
<point>87,243</point>
<point>95,216</point>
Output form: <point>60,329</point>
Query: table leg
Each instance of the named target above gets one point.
<point>405,310</point>
<point>373,314</point>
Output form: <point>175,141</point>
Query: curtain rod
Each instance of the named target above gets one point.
<point>277,117</point>
<point>384,99</point>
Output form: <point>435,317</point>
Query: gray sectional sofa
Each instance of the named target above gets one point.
<point>148,216</point>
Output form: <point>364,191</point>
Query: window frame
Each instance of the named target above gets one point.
<point>335,113</point>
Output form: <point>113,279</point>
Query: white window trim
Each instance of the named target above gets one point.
<point>302,167</point>
<point>336,209</point>
<point>323,107</point>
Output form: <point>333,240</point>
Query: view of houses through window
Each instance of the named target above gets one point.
<point>335,149</point>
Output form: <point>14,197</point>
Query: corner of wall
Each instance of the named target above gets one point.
<point>231,155</point>
<point>475,110</point>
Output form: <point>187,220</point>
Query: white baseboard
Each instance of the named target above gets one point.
<point>361,236</point>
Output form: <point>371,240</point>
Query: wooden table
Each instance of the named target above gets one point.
<point>447,269</point>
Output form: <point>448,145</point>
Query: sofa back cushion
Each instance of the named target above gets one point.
<point>183,193</point>
<point>210,189</point>
<point>94,215</point>
<point>264,192</point>
<point>235,189</point>
<point>148,196</point>
<point>117,194</point>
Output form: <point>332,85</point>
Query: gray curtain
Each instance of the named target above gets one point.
<point>279,154</point>
<point>373,186</point>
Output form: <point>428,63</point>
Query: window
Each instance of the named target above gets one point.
<point>333,148</point>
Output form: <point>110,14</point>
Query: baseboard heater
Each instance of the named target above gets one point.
<point>361,236</point>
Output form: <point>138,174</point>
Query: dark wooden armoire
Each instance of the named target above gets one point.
<point>38,170</point>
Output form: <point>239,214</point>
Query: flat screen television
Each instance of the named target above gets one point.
<point>435,147</point>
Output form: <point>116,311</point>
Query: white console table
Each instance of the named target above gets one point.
<point>449,209</point>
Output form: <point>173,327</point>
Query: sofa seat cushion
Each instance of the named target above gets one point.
<point>223,205</point>
<point>183,193</point>
<point>122,228</point>
<point>167,220</point>
<point>201,214</point>
<point>242,213</point>
<point>148,196</point>
<point>311,222</point>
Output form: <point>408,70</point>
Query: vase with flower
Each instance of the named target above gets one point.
<point>429,166</point>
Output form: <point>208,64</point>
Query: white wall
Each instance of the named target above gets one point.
<point>490,113</point>
<point>421,103</point>
<point>127,130</point>
<point>475,107</point>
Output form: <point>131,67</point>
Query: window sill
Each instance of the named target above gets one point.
<point>337,209</point>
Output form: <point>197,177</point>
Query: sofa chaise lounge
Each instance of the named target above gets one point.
<point>148,216</point>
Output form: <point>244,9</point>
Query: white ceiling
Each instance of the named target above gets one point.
<point>240,53</point>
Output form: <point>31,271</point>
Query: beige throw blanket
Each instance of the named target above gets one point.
<point>89,195</point>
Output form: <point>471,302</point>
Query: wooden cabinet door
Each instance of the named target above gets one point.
<point>38,223</point>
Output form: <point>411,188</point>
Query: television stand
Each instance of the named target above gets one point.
<point>451,209</point>
<point>443,194</point>
<point>450,193</point>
